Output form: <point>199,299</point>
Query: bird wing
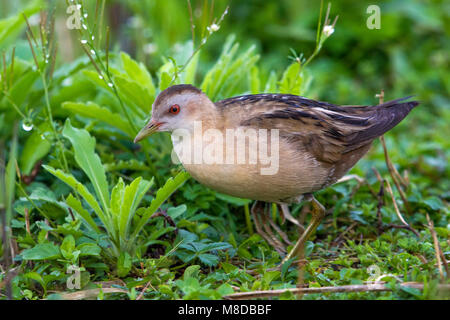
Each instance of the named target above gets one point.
<point>325,130</point>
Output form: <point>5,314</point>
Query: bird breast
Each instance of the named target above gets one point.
<point>278,172</point>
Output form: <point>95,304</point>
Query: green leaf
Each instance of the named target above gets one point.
<point>271,85</point>
<point>42,251</point>
<point>162,195</point>
<point>209,259</point>
<point>191,272</point>
<point>83,191</point>
<point>68,246</point>
<point>123,264</point>
<point>75,204</point>
<point>94,111</point>
<point>255,81</point>
<point>175,212</point>
<point>225,289</point>
<point>434,203</point>
<point>89,249</point>
<point>131,199</point>
<point>89,161</point>
<point>233,200</point>
<point>37,277</point>
<point>138,72</point>
<point>135,93</point>
<point>35,148</point>
<point>291,80</point>
<point>12,26</point>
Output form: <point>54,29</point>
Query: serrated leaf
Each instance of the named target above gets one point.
<point>75,204</point>
<point>135,93</point>
<point>138,72</point>
<point>89,161</point>
<point>162,195</point>
<point>209,259</point>
<point>132,197</point>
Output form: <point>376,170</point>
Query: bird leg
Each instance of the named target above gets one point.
<point>287,214</point>
<point>270,238</point>
<point>267,222</point>
<point>317,214</point>
<point>283,235</point>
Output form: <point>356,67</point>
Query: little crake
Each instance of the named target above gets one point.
<point>318,143</point>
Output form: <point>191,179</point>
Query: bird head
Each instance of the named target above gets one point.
<point>177,107</point>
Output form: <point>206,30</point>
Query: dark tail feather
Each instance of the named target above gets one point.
<point>385,117</point>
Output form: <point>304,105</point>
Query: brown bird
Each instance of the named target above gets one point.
<point>318,143</point>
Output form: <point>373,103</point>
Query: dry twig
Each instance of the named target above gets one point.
<point>440,258</point>
<point>377,287</point>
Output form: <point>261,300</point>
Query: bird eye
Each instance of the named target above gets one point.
<point>175,109</point>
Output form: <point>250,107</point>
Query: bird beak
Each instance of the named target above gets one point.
<point>150,128</point>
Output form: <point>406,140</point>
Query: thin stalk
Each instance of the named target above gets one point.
<point>248,220</point>
<point>52,124</point>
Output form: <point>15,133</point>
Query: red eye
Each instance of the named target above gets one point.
<point>175,109</point>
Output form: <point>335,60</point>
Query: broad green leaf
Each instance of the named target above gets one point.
<point>89,249</point>
<point>36,147</point>
<point>94,111</point>
<point>209,259</point>
<point>75,204</point>
<point>162,195</point>
<point>138,72</point>
<point>89,161</point>
<point>68,246</point>
<point>135,93</point>
<point>42,251</point>
<point>22,86</point>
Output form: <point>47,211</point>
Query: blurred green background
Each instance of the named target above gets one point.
<point>407,55</point>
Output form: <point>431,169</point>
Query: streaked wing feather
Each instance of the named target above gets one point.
<point>325,130</point>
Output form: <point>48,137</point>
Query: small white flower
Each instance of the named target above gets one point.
<point>213,28</point>
<point>83,41</point>
<point>328,30</point>
<point>150,48</point>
